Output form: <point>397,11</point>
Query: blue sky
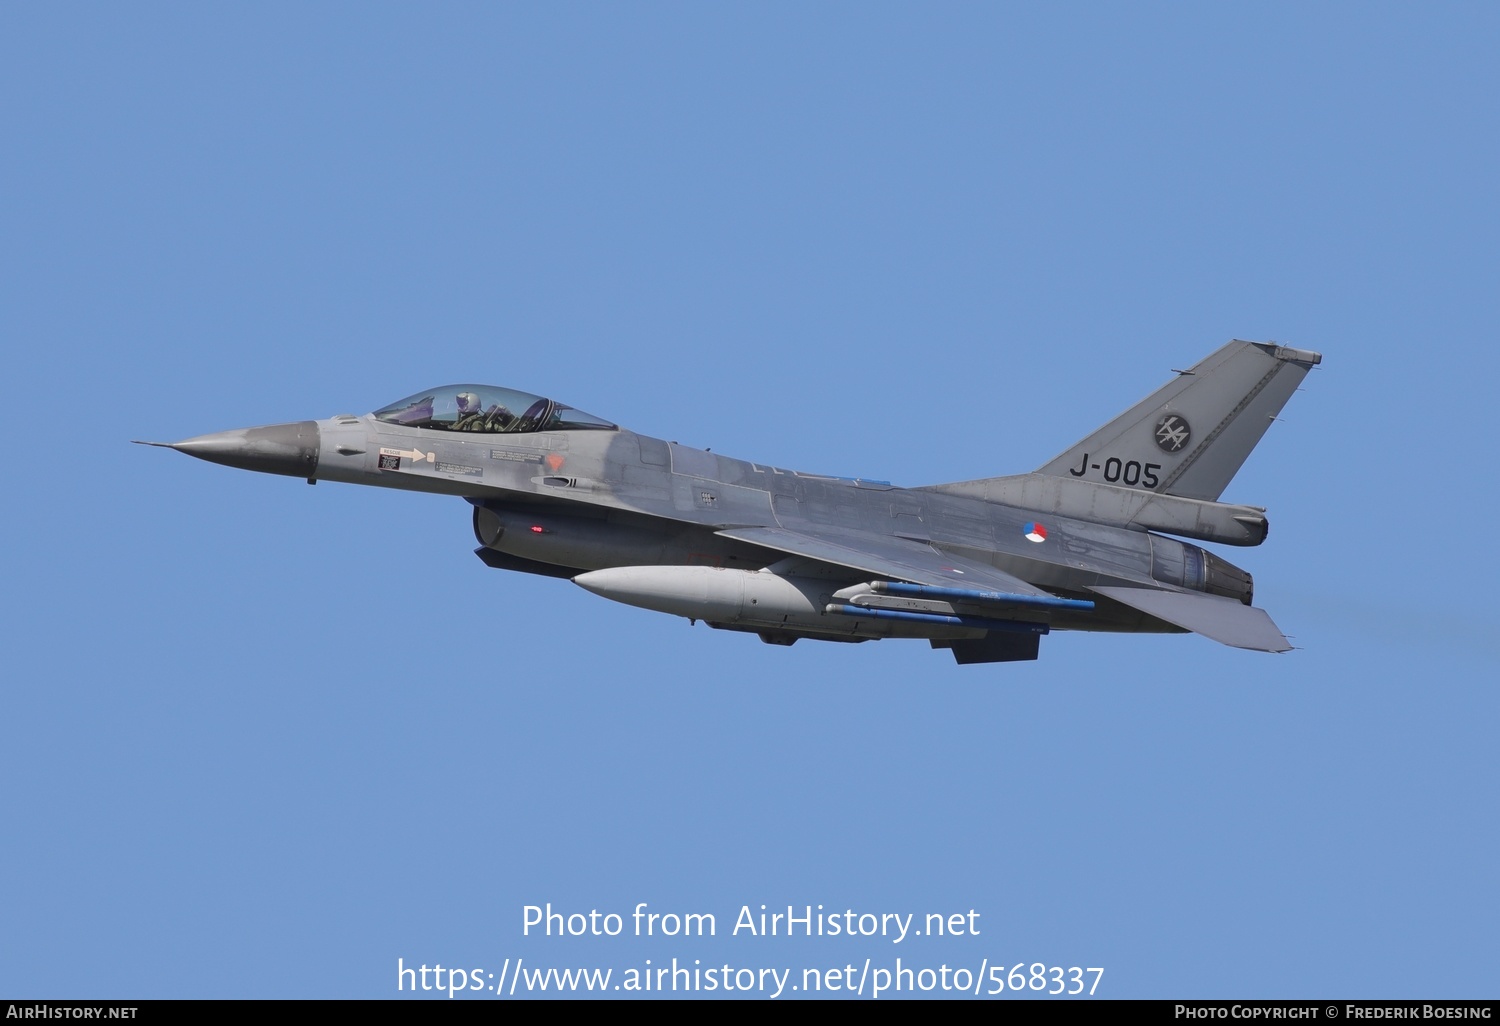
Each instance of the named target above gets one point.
<point>263,740</point>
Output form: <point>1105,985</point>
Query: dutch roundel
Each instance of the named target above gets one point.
<point>1036,532</point>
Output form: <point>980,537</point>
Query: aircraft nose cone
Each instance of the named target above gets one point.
<point>290,449</point>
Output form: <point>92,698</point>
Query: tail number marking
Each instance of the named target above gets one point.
<point>1117,471</point>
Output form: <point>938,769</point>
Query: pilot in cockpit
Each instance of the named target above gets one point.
<point>473,417</point>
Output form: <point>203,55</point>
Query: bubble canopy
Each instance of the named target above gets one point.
<point>487,409</point>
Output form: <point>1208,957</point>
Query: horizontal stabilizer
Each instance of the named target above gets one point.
<point>1224,620</point>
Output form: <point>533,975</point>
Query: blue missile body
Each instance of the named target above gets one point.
<point>983,623</point>
<point>966,595</point>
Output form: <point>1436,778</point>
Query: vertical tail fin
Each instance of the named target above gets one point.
<point>1192,435</point>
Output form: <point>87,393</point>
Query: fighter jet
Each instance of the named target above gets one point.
<point>981,568</point>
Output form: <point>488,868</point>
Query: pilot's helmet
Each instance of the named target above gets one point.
<point>468,402</point>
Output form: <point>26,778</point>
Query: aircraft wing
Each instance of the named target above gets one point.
<point>1222,619</point>
<point>888,558</point>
